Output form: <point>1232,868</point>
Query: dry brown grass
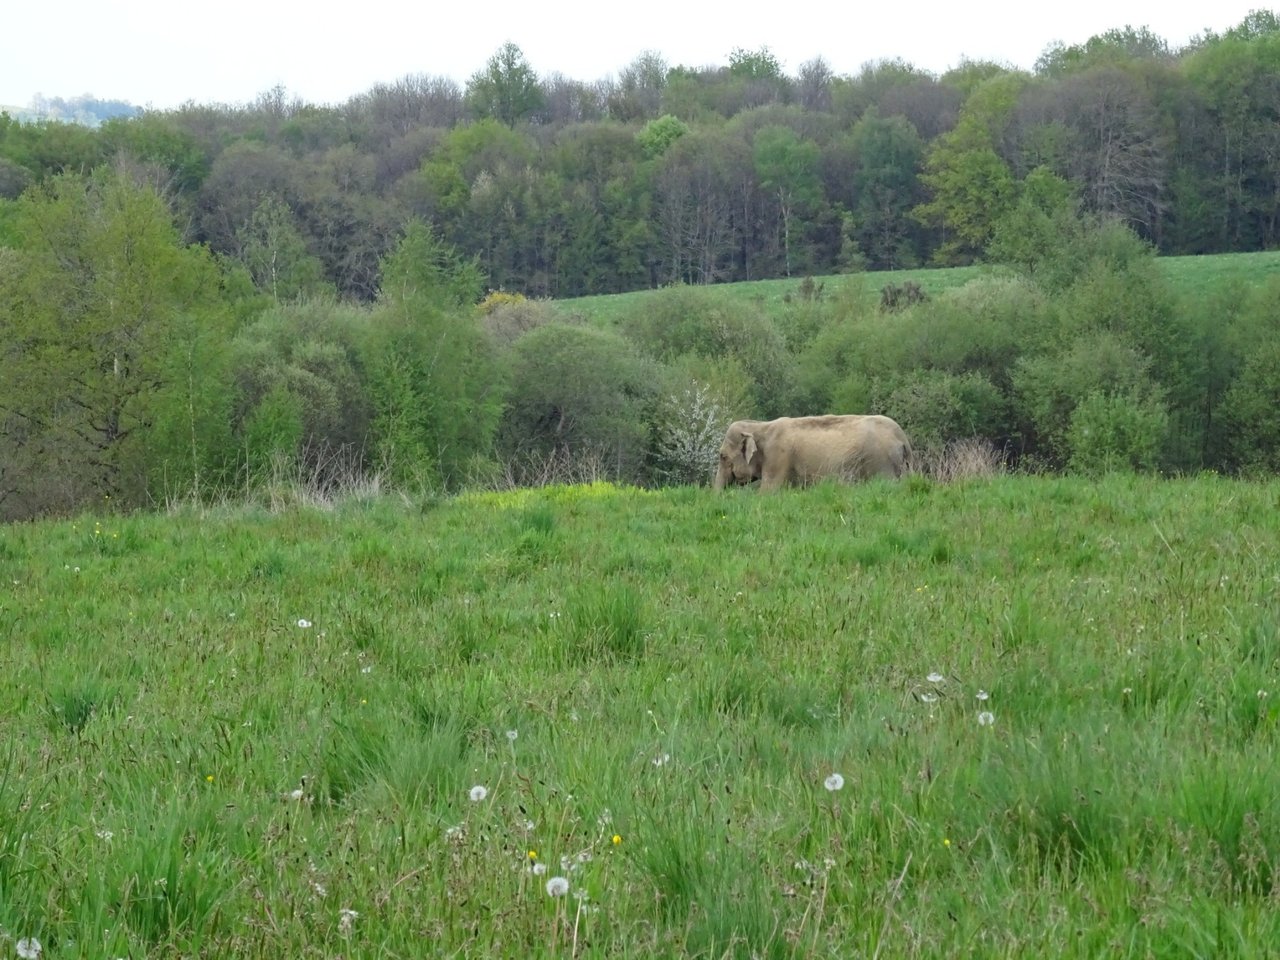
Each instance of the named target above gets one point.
<point>959,460</point>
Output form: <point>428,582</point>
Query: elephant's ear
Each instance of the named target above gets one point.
<point>749,447</point>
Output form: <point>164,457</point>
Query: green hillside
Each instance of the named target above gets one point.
<point>1015,717</point>
<point>1209,275</point>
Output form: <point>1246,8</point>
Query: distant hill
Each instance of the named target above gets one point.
<point>86,110</point>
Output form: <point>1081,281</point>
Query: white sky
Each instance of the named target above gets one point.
<point>228,51</point>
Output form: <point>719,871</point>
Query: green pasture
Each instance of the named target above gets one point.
<point>384,729</point>
<point>1188,277</point>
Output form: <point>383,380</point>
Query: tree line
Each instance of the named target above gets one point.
<point>669,174</point>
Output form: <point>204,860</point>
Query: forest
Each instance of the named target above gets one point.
<point>192,299</point>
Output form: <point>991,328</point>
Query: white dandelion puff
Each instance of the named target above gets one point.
<point>986,718</point>
<point>29,948</point>
<point>346,917</point>
<point>539,869</point>
<point>557,887</point>
<point>512,734</point>
<point>834,782</point>
<point>935,677</point>
<point>662,760</point>
<point>478,793</point>
<point>929,697</point>
<point>304,623</point>
<point>983,696</point>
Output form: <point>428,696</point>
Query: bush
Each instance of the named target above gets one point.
<point>689,424</point>
<point>936,408</point>
<point>305,354</point>
<point>683,321</point>
<point>577,391</point>
<point>508,317</point>
<point>1049,387</point>
<point>1116,432</point>
<point>1252,412</point>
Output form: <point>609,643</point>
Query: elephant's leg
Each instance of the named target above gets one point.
<point>773,478</point>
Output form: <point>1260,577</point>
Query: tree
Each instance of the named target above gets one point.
<point>693,206</point>
<point>972,189</point>
<point>277,255</point>
<point>885,189</point>
<point>506,89</point>
<point>788,167</point>
<point>813,85</point>
<point>433,375</point>
<point>107,323</point>
<point>657,135</point>
<point>1238,77</point>
<point>1116,153</point>
<point>637,95</point>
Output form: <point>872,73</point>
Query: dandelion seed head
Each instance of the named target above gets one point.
<point>935,677</point>
<point>834,782</point>
<point>986,718</point>
<point>304,623</point>
<point>346,917</point>
<point>29,948</point>
<point>557,887</point>
<point>539,869</point>
<point>929,697</point>
<point>662,760</point>
<point>478,793</point>
<point>983,695</point>
<point>512,734</point>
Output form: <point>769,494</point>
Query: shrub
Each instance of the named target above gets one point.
<point>303,356</point>
<point>688,426</point>
<point>1252,412</point>
<point>508,317</point>
<point>1116,431</point>
<point>936,408</point>
<point>681,321</point>
<point>1049,387</point>
<point>894,296</point>
<point>577,391</point>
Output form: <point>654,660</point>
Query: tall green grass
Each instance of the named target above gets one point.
<point>1053,704</point>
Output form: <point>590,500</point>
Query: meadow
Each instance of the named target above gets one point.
<point>1199,277</point>
<point>1004,717</point>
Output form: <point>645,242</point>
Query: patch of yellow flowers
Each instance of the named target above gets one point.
<point>526,496</point>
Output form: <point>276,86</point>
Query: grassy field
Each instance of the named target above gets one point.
<point>1011,717</point>
<point>1187,276</point>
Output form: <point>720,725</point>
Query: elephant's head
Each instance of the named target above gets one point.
<point>741,459</point>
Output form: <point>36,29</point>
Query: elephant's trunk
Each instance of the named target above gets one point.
<point>722,477</point>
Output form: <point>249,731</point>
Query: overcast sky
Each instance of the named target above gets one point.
<point>164,53</point>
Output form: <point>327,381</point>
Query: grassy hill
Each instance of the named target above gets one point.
<point>1187,276</point>
<point>1051,705</point>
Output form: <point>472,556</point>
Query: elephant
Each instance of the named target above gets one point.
<point>801,450</point>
